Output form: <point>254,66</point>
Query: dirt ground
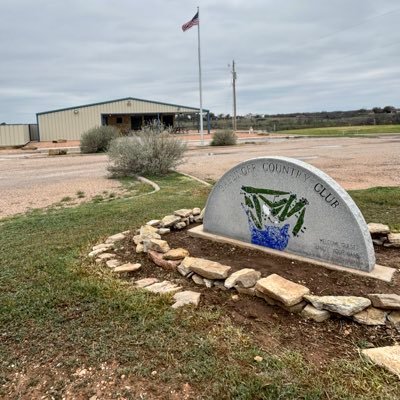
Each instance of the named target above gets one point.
<point>34,180</point>
<point>273,327</point>
<point>356,163</point>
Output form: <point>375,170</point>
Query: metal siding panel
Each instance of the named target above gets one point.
<point>14,135</point>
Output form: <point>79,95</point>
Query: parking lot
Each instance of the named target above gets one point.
<point>34,180</point>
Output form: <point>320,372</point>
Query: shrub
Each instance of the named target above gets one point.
<point>145,153</point>
<point>224,138</point>
<point>98,139</point>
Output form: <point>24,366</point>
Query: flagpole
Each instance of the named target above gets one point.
<point>200,88</point>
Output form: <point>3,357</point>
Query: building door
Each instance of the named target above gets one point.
<point>136,122</point>
<point>168,120</point>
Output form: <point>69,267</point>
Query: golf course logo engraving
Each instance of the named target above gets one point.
<point>287,205</point>
<point>274,216</point>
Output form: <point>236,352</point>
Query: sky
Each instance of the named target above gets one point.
<point>290,55</point>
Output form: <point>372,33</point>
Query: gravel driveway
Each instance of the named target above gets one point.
<point>36,180</point>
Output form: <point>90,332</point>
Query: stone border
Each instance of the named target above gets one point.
<point>379,272</point>
<point>373,310</point>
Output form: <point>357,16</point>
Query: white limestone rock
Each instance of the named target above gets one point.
<point>115,238</point>
<point>176,254</point>
<point>371,316</point>
<point>106,256</point>
<point>163,231</point>
<point>387,357</point>
<point>154,222</point>
<point>246,278</point>
<point>385,301</point>
<point>142,283</point>
<point>394,239</point>
<point>180,225</point>
<point>158,245</point>
<point>343,305</point>
<point>169,221</point>
<point>378,229</point>
<point>164,287</point>
<point>186,297</point>
<point>184,212</point>
<point>113,263</point>
<point>206,268</point>
<point>394,319</point>
<point>196,211</point>
<point>310,312</point>
<point>95,253</point>
<point>107,246</point>
<point>287,292</point>
<point>129,267</point>
<point>198,280</point>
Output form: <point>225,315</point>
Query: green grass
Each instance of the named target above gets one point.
<point>344,130</point>
<point>380,204</point>
<point>58,313</point>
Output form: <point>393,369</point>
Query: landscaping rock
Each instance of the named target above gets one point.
<point>246,278</point>
<point>208,282</point>
<point>198,218</point>
<point>184,212</point>
<point>95,253</point>
<point>161,246</point>
<point>163,231</point>
<point>394,239</point>
<point>287,292</point>
<point>129,267</point>
<point>176,254</point>
<point>343,305</point>
<point>313,313</point>
<point>164,287</point>
<point>378,229</point>
<point>107,246</point>
<point>385,301</point>
<point>249,291</point>
<point>196,211</point>
<point>115,238</point>
<point>106,256</point>
<point>371,316</point>
<point>154,222</point>
<point>387,357</point>
<point>169,220</point>
<point>158,259</point>
<point>198,280</point>
<point>394,319</point>
<point>142,283</point>
<point>295,308</point>
<point>379,242</point>
<point>207,269</point>
<point>180,225</point>
<point>218,284</point>
<point>113,263</point>
<point>183,270</point>
<point>185,298</point>
<point>147,230</point>
<point>140,248</point>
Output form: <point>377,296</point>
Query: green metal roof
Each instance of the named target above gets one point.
<point>116,100</point>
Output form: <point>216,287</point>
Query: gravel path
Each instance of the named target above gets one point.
<point>35,181</point>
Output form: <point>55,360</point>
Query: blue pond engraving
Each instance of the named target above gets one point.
<point>273,237</point>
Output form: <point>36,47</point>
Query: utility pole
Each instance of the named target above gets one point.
<point>234,76</point>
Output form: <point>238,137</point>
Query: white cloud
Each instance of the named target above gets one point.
<point>291,56</point>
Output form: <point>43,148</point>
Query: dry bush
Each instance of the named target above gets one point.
<point>98,139</point>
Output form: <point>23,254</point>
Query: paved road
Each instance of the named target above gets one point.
<point>34,180</point>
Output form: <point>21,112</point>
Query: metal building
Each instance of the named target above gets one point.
<point>126,114</point>
<point>17,134</point>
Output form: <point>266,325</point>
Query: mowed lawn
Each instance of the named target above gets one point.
<point>344,130</point>
<point>69,329</point>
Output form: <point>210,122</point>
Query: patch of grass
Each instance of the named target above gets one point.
<point>66,199</point>
<point>80,194</point>
<point>380,204</point>
<point>344,130</point>
<point>59,313</point>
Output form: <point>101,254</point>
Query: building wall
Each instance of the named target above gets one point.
<point>70,124</point>
<point>14,135</point>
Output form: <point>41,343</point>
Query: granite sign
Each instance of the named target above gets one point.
<point>288,205</point>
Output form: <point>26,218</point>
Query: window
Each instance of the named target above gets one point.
<point>119,120</point>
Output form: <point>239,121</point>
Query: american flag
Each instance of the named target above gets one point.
<point>194,21</point>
